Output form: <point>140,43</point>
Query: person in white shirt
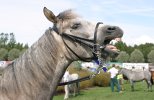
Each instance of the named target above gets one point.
<point>114,82</point>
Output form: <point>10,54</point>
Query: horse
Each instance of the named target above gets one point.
<point>137,76</point>
<point>71,88</point>
<point>36,74</point>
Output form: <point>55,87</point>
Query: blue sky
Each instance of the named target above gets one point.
<point>26,20</point>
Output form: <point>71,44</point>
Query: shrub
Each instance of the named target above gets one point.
<point>60,89</point>
<point>102,79</point>
<point>82,73</point>
<point>86,83</point>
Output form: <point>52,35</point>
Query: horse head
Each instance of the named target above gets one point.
<point>78,34</point>
<point>36,74</point>
<point>110,33</point>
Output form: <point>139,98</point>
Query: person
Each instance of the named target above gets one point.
<point>113,75</point>
<point>120,79</point>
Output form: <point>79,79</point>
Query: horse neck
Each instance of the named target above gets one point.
<point>38,67</point>
<point>126,72</point>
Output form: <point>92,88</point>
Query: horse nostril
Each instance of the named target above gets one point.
<point>111,28</point>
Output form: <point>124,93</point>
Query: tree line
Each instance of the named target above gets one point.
<point>143,53</point>
<point>9,48</point>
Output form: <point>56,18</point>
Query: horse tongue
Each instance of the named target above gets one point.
<point>111,51</point>
<point>112,48</point>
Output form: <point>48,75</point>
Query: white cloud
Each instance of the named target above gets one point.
<point>95,8</point>
<point>137,34</point>
<point>149,12</point>
<point>138,10</point>
<point>59,5</point>
<point>144,39</point>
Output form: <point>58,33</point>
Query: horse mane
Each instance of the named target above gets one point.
<point>67,15</point>
<point>31,69</point>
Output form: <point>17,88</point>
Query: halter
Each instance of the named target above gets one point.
<point>92,44</point>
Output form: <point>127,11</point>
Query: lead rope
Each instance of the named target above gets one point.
<point>100,63</point>
<point>97,49</point>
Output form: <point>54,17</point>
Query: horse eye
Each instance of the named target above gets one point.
<point>76,25</point>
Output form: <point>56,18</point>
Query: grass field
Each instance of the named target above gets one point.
<point>104,93</point>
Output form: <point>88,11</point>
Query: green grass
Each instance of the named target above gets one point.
<point>104,93</point>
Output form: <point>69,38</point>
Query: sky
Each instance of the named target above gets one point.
<point>26,20</point>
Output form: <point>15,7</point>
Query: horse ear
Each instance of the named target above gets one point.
<point>49,15</point>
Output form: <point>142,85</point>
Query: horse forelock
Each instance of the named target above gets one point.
<point>68,15</point>
<point>68,18</point>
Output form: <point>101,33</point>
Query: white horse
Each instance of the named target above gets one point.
<point>74,88</point>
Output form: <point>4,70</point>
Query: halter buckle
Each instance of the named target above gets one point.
<point>96,49</point>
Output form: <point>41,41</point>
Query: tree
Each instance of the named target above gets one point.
<point>13,54</point>
<point>7,43</point>
<point>3,39</point>
<point>7,40</point>
<point>151,56</point>
<point>152,48</point>
<point>22,51</point>
<point>136,56</point>
<point>3,54</point>
<point>12,41</point>
<point>123,57</point>
<point>121,46</point>
<point>145,49</point>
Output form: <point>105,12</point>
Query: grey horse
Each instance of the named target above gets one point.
<point>137,76</point>
<point>36,74</point>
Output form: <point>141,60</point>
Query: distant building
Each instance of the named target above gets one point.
<point>136,66</point>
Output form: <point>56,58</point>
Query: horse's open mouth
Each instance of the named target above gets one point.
<point>110,48</point>
<point>110,43</point>
<point>113,35</point>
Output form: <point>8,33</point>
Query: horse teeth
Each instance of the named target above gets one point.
<point>114,41</point>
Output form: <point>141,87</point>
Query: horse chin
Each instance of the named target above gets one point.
<point>109,53</point>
